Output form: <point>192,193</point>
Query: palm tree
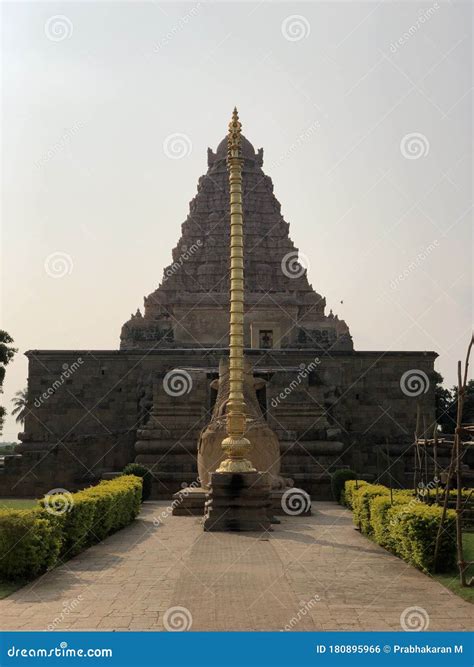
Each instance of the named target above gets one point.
<point>20,401</point>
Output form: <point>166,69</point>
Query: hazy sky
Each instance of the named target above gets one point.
<point>364,111</point>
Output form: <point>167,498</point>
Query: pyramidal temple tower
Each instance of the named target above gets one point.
<point>190,307</point>
<point>91,412</point>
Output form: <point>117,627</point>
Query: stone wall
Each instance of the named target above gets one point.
<point>87,406</point>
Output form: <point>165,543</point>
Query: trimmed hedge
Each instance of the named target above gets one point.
<point>404,525</point>
<point>413,531</point>
<point>361,505</point>
<point>338,479</point>
<point>32,541</point>
<point>143,472</point>
<point>350,488</point>
<point>379,508</point>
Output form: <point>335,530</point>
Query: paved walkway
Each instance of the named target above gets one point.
<point>310,573</point>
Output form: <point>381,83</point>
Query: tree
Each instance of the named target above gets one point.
<point>20,401</point>
<point>7,352</point>
<point>446,404</point>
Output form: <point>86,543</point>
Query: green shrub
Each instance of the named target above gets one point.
<point>30,542</point>
<point>429,495</point>
<point>98,511</point>
<point>144,473</point>
<point>379,508</point>
<point>350,487</point>
<point>413,531</point>
<point>338,480</point>
<point>78,523</point>
<point>404,525</point>
<point>361,505</point>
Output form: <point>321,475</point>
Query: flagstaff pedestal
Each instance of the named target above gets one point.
<point>237,502</point>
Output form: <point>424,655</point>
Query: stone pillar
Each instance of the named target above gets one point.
<point>237,502</point>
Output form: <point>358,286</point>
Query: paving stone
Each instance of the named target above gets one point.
<point>235,581</point>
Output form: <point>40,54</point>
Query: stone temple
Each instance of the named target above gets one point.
<point>93,411</point>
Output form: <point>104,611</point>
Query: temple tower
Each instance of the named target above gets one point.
<point>190,307</point>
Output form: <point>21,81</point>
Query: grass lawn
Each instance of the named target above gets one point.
<point>17,503</point>
<point>451,579</point>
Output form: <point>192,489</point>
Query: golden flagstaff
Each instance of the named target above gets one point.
<point>236,446</point>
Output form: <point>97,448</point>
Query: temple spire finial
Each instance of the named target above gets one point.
<point>233,138</point>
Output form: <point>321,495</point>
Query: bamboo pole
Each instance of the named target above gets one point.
<point>435,462</point>
<point>455,469</point>
<point>462,384</point>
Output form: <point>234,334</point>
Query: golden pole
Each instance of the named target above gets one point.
<point>235,445</point>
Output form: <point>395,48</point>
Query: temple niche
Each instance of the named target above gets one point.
<point>282,308</point>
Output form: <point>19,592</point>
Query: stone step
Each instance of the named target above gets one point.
<point>162,447</point>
